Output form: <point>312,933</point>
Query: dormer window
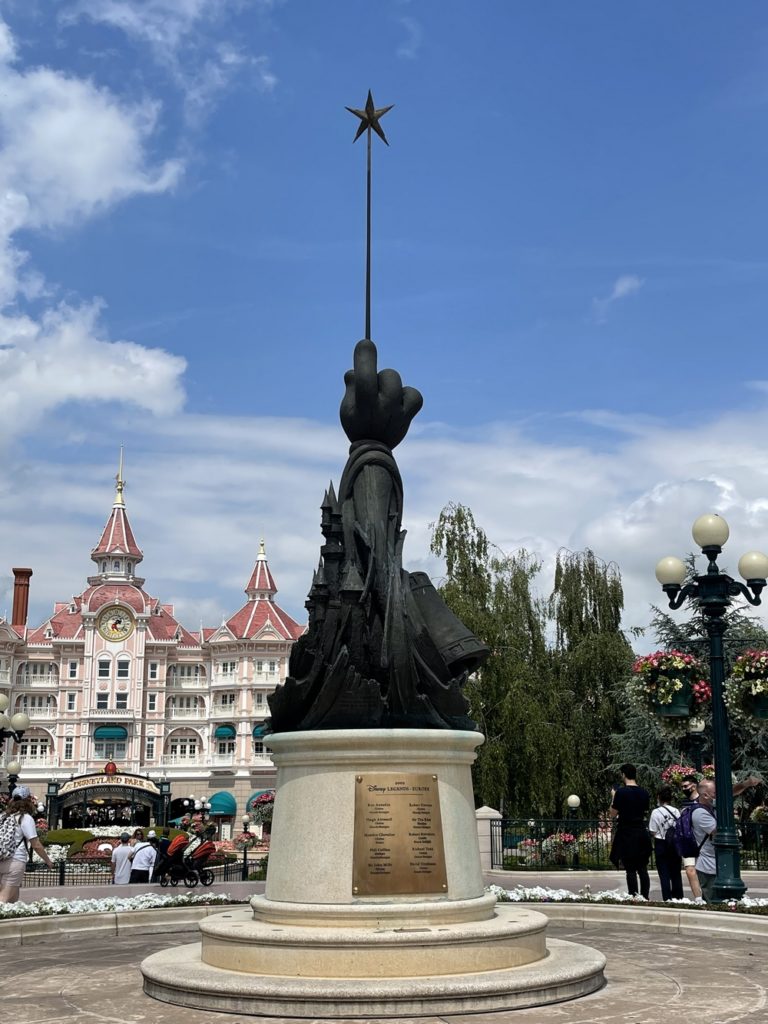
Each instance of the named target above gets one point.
<point>103,566</point>
<point>116,566</point>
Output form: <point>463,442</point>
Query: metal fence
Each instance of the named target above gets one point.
<point>563,844</point>
<point>38,876</point>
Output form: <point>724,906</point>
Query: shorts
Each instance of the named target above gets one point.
<point>689,862</point>
<point>12,872</point>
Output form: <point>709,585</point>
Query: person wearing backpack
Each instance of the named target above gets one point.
<point>668,861</point>
<point>17,836</point>
<point>704,825</point>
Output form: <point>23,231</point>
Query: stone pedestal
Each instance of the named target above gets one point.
<point>311,948</point>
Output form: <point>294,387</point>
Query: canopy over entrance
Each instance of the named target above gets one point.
<point>223,804</point>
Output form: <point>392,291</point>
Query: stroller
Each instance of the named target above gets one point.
<point>185,862</point>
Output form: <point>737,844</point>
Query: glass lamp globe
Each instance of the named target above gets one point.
<point>3,702</point>
<point>13,768</point>
<point>710,531</point>
<point>573,801</point>
<point>20,722</point>
<point>671,572</point>
<point>5,722</point>
<point>753,566</point>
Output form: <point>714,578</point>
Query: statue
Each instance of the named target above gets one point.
<point>382,650</point>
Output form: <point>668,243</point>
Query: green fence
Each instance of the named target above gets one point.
<point>563,844</point>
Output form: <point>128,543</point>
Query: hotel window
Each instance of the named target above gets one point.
<point>228,668</point>
<point>153,670</point>
<point>71,701</point>
<point>116,565</point>
<point>105,668</point>
<point>68,748</point>
<point>259,697</point>
<point>123,669</point>
<point>34,749</point>
<point>226,700</point>
<point>273,666</point>
<point>73,670</point>
<point>102,701</point>
<point>258,747</point>
<point>151,702</point>
<point>226,747</point>
<point>107,750</point>
<point>121,701</point>
<point>183,747</point>
<point>259,666</point>
<point>150,748</point>
<point>189,671</point>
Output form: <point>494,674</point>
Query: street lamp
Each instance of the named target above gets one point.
<point>14,770</point>
<point>714,591</point>
<point>574,803</point>
<point>11,729</point>
<point>696,727</point>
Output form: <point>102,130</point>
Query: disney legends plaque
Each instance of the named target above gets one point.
<point>398,837</point>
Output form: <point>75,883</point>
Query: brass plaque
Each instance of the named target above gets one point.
<point>398,845</point>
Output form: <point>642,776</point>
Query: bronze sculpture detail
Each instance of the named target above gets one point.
<point>381,649</point>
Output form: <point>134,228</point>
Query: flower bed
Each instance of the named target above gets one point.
<point>540,894</point>
<point>116,904</point>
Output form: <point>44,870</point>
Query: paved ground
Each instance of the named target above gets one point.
<point>650,979</point>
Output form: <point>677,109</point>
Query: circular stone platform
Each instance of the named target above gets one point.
<point>179,976</point>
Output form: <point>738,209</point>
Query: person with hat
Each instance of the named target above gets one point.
<point>22,808</point>
<point>121,861</point>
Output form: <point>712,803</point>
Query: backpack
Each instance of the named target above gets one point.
<point>680,836</point>
<point>9,844</point>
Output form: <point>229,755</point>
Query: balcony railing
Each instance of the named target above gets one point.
<point>49,712</point>
<point>40,761</point>
<point>222,760</point>
<point>185,713</point>
<point>5,677</point>
<point>225,711</point>
<point>226,679</point>
<point>180,761</point>
<point>186,683</point>
<point>49,681</point>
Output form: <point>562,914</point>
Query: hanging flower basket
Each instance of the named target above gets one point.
<point>262,807</point>
<point>746,689</point>
<point>669,684</point>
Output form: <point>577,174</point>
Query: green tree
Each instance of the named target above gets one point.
<point>590,654</point>
<point>546,710</point>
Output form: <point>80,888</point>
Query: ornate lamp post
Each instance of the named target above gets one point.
<point>714,591</point>
<point>11,729</point>
<point>197,805</point>
<point>574,803</point>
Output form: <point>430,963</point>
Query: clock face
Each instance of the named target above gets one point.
<point>115,623</point>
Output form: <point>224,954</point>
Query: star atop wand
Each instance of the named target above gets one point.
<point>369,118</point>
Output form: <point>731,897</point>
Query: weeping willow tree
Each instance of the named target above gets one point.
<point>590,654</point>
<point>546,711</point>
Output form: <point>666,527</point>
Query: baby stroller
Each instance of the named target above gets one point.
<point>185,862</point>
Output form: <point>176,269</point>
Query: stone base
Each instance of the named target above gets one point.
<point>313,947</point>
<point>179,976</point>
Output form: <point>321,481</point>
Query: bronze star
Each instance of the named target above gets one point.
<point>369,118</point>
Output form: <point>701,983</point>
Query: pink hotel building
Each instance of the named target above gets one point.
<point>112,676</point>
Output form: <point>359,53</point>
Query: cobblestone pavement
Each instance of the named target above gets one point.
<point>650,978</point>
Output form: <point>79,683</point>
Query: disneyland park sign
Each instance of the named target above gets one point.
<point>111,783</point>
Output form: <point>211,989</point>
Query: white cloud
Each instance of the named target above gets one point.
<point>623,286</point>
<point>202,491</point>
<point>69,150</point>
<point>184,37</point>
<point>411,45</point>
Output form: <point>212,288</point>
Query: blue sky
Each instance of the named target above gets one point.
<point>569,262</point>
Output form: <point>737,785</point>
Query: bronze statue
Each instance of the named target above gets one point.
<point>382,649</point>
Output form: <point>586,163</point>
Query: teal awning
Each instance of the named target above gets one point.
<point>110,732</point>
<point>225,732</point>
<point>259,730</point>
<point>223,803</point>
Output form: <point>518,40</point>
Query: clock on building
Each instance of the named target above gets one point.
<point>115,623</point>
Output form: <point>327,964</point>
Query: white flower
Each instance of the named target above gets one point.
<point>116,904</point>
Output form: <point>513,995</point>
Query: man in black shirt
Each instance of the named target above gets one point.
<point>631,848</point>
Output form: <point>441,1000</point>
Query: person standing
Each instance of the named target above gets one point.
<point>704,825</point>
<point>121,861</point>
<point>22,808</point>
<point>631,848</point>
<point>668,862</point>
<point>690,786</point>
<point>142,861</point>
